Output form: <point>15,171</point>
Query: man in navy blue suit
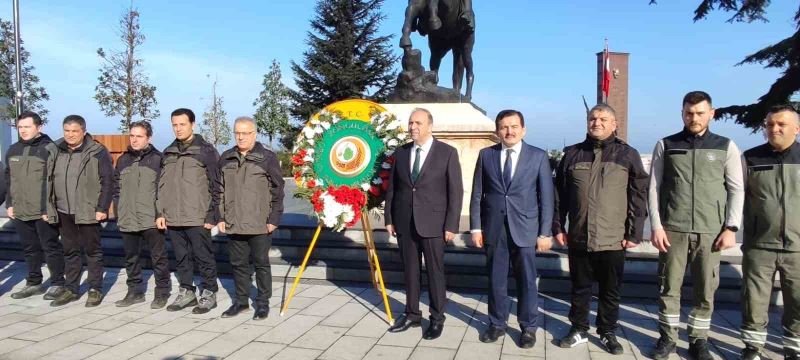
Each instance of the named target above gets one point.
<point>511,212</point>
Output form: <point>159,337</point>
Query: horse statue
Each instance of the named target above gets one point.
<point>449,25</point>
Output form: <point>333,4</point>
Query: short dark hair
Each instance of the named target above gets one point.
<point>781,108</point>
<point>75,119</point>
<point>144,125</point>
<point>696,97</point>
<point>506,113</point>
<point>183,111</point>
<point>604,108</point>
<point>37,120</point>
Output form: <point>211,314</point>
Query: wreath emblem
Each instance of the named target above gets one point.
<point>341,163</point>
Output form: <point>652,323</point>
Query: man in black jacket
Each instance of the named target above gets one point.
<point>188,204</point>
<point>83,181</point>
<point>251,203</point>
<point>136,177</point>
<point>601,187</point>
<point>29,165</point>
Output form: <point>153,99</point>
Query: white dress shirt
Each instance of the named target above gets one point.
<point>515,150</point>
<point>426,149</point>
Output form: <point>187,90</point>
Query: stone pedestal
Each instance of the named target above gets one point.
<point>461,125</point>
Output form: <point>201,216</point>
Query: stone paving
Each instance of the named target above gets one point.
<point>324,322</point>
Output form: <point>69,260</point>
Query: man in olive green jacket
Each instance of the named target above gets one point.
<point>136,177</point>
<point>695,206</point>
<point>188,205</point>
<point>251,203</point>
<point>83,180</point>
<point>30,164</point>
<point>772,233</point>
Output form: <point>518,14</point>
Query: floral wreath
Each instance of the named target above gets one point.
<point>339,207</point>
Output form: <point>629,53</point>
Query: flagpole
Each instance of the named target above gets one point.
<point>18,93</point>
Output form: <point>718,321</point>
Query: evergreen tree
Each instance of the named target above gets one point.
<point>272,105</point>
<point>346,59</point>
<point>33,94</point>
<point>123,87</point>
<point>784,55</point>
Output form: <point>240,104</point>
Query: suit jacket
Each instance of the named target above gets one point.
<point>528,201</point>
<point>434,200</point>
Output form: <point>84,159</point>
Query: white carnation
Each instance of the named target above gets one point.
<point>377,181</point>
<point>392,143</point>
<point>325,125</point>
<point>365,186</point>
<point>308,132</point>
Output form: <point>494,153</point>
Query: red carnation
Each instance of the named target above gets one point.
<point>384,174</point>
<point>374,190</point>
<point>297,175</point>
<point>311,184</point>
<point>385,185</point>
<point>390,160</point>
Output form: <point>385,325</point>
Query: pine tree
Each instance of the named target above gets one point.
<point>272,105</point>
<point>123,87</point>
<point>784,54</point>
<point>33,94</point>
<point>215,127</point>
<point>346,59</point>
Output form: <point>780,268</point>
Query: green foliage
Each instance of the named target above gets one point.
<point>123,88</point>
<point>346,59</point>
<point>215,127</point>
<point>784,55</point>
<point>272,106</point>
<point>33,94</point>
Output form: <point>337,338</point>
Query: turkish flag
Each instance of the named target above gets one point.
<point>606,73</point>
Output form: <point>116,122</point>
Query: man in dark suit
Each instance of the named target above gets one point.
<point>423,207</point>
<point>511,208</point>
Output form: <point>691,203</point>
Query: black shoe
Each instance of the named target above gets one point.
<point>262,311</point>
<point>491,334</point>
<point>527,339</point>
<point>130,298</point>
<point>574,338</point>
<point>65,298</point>
<point>235,309</point>
<point>698,350</point>
<point>613,346</point>
<point>790,354</point>
<point>159,302</point>
<point>434,331</point>
<point>751,353</point>
<point>402,324</point>
<point>28,291</point>
<point>663,348</point>
<point>94,297</point>
<point>54,292</point>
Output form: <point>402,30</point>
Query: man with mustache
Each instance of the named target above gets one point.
<point>771,233</point>
<point>695,205</point>
<point>423,207</point>
<point>601,187</point>
<point>511,213</point>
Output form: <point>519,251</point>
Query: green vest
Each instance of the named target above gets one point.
<point>772,198</point>
<point>693,196</point>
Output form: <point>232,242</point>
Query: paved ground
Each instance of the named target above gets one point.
<point>325,322</point>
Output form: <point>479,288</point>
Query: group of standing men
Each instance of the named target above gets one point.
<point>66,188</point>
<point>697,193</point>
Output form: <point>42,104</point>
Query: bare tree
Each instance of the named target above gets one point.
<point>123,88</point>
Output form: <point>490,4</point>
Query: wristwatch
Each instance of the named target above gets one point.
<point>732,228</point>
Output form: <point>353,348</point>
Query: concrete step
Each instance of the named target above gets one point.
<point>342,257</point>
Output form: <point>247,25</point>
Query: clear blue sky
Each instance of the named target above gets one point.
<point>535,56</point>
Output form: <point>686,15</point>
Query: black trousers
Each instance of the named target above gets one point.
<point>244,250</point>
<point>39,243</point>
<point>192,245</point>
<point>133,241</point>
<point>412,248</point>
<point>77,237</point>
<point>607,268</point>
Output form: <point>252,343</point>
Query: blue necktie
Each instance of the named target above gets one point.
<point>507,168</point>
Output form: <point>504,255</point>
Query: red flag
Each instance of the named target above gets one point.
<point>606,73</point>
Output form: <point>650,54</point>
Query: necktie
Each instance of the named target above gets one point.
<point>507,168</point>
<point>415,171</point>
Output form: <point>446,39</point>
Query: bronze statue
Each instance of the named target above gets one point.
<point>449,25</point>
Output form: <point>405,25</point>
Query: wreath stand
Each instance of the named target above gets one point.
<point>374,266</point>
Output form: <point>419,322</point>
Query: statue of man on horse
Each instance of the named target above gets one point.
<point>449,25</point>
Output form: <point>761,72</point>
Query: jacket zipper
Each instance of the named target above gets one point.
<point>66,181</point>
<point>783,206</point>
<point>694,153</point>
